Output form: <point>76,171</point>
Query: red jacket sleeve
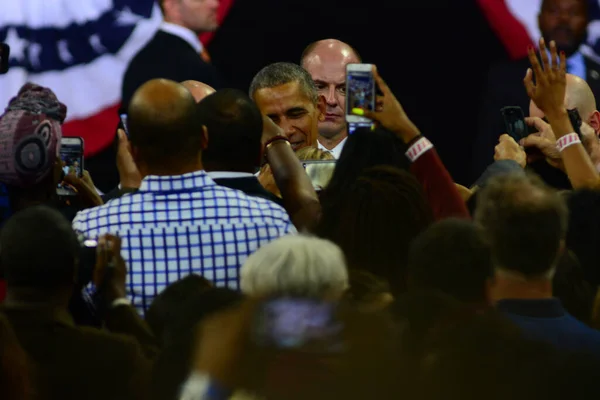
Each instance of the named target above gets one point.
<point>440,190</point>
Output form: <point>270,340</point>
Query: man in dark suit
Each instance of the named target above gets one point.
<point>39,260</point>
<point>564,21</point>
<point>235,127</point>
<point>175,52</point>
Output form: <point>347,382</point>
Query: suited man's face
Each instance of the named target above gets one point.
<point>564,21</point>
<point>197,15</point>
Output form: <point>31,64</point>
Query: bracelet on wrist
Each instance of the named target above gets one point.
<point>274,140</point>
<point>567,140</point>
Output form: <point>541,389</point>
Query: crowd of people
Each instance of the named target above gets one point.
<point>218,268</point>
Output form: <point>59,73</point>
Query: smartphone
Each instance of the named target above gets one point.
<point>123,118</point>
<point>298,324</point>
<point>4,57</point>
<point>514,122</point>
<point>353,127</point>
<point>71,154</point>
<point>360,91</point>
<point>319,172</point>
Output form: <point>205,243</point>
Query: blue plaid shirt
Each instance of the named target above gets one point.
<point>178,225</point>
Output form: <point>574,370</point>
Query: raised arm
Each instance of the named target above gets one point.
<point>548,93</point>
<point>442,194</point>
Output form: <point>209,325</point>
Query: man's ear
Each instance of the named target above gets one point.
<point>322,107</point>
<point>204,137</point>
<point>594,122</point>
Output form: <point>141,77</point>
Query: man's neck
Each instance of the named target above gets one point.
<point>170,170</point>
<point>509,285</point>
<point>58,299</point>
<point>332,142</point>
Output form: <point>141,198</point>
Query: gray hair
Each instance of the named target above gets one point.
<point>281,73</point>
<point>295,265</point>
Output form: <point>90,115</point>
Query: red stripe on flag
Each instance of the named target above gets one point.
<point>97,131</point>
<point>509,29</point>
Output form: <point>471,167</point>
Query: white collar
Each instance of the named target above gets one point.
<point>229,175</point>
<point>184,33</point>
<point>337,150</point>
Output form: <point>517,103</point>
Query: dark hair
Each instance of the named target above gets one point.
<point>173,365</point>
<point>166,132</point>
<point>524,222</point>
<point>451,256</point>
<point>584,2</point>
<point>166,306</point>
<point>311,47</point>
<point>282,73</point>
<point>570,287</point>
<point>234,125</point>
<point>583,235</point>
<point>375,221</point>
<point>38,249</point>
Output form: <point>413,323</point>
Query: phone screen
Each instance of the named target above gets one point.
<point>514,122</point>
<point>71,155</point>
<point>319,172</point>
<point>298,324</point>
<point>360,90</point>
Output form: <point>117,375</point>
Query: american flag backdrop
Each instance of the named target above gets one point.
<point>515,23</point>
<point>80,49</point>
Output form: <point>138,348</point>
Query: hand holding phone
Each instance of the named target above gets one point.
<point>71,155</point>
<point>514,122</point>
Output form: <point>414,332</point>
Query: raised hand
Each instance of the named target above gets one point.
<point>548,92</point>
<point>390,113</point>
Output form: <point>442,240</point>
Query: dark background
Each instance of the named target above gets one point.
<point>434,54</point>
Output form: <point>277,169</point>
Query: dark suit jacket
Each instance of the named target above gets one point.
<point>505,88</point>
<point>70,362</point>
<point>166,56</point>
<point>251,186</point>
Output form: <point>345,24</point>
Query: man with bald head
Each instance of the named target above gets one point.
<point>326,62</point>
<point>198,89</point>
<point>565,22</point>
<point>180,221</point>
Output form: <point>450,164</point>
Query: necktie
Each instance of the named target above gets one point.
<point>205,56</point>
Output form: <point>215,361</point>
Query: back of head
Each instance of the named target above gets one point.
<point>234,126</point>
<point>282,73</point>
<point>39,249</point>
<point>524,223</point>
<point>30,132</point>
<point>168,303</point>
<point>450,256</point>
<point>365,149</point>
<point>163,126</point>
<point>198,89</point>
<point>295,265</point>
<point>377,217</point>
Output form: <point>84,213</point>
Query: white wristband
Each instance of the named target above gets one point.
<point>567,140</point>
<point>120,302</point>
<point>418,148</point>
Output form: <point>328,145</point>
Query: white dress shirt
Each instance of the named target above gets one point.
<point>229,175</point>
<point>186,34</point>
<point>336,151</point>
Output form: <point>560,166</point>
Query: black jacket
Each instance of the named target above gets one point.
<point>170,57</point>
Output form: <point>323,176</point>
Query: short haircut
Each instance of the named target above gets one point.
<point>39,249</point>
<point>166,306</point>
<point>524,222</point>
<point>375,221</point>
<point>311,47</point>
<point>295,265</point>
<point>234,124</point>
<point>584,2</point>
<point>450,256</point>
<point>166,132</point>
<point>282,73</point>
